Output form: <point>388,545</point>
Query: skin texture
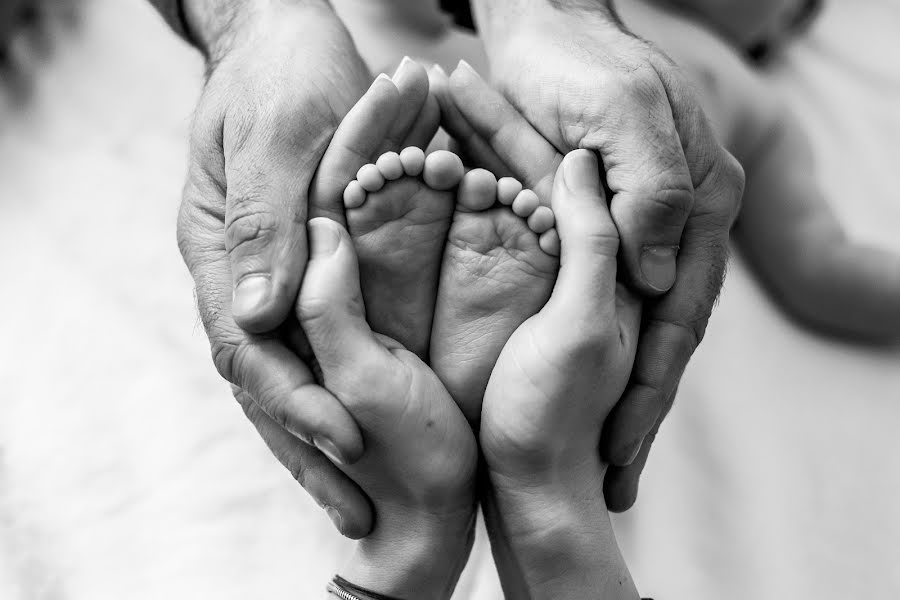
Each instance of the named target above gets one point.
<point>578,78</point>
<point>554,384</point>
<point>244,212</point>
<point>399,280</point>
<point>419,464</point>
<point>282,75</point>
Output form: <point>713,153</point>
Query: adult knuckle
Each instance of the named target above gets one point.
<point>225,357</point>
<point>721,187</point>
<point>690,331</point>
<point>278,406</point>
<point>250,222</point>
<point>297,467</point>
<point>642,87</point>
<point>674,201</point>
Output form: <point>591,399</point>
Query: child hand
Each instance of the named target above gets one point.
<point>564,369</point>
<point>555,382</point>
<point>419,462</point>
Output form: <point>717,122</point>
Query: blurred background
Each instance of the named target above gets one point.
<point>127,470</point>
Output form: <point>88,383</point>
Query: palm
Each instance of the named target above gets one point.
<point>550,391</point>
<point>416,438</point>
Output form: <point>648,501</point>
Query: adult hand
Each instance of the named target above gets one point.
<point>583,81</point>
<point>281,77</point>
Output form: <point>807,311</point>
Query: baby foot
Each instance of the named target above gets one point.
<point>398,211</point>
<point>499,267</point>
<point>397,222</point>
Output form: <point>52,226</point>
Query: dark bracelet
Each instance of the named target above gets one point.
<point>345,590</point>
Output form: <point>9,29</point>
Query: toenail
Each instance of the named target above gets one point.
<point>370,178</point>
<point>413,160</point>
<point>541,220</point>
<point>404,64</point>
<point>507,190</point>
<point>467,67</point>
<point>390,166</point>
<point>354,195</point>
<point>526,202</point>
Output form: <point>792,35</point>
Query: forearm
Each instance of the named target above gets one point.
<point>554,539</point>
<point>800,250</point>
<point>831,283</point>
<point>413,557</point>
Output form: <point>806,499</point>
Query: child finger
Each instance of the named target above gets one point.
<point>589,239</point>
<point>330,305</point>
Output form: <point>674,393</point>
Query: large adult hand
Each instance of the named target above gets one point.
<point>281,78</point>
<point>583,81</point>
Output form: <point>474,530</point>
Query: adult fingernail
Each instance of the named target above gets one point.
<point>336,518</point>
<point>581,172</point>
<point>628,455</point>
<point>250,295</point>
<point>658,266</point>
<point>330,449</point>
<point>324,237</point>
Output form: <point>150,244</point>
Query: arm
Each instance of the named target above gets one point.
<point>797,247</point>
<point>675,190</point>
<point>271,103</point>
<point>420,459</point>
<point>554,385</point>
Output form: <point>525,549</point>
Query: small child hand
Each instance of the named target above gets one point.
<point>418,466</point>
<point>564,369</point>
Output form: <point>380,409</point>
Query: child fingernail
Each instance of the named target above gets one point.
<point>324,237</point>
<point>581,172</point>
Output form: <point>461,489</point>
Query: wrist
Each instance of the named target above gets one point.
<point>500,19</point>
<point>558,535</point>
<point>413,555</point>
<point>216,26</point>
<point>540,457</point>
